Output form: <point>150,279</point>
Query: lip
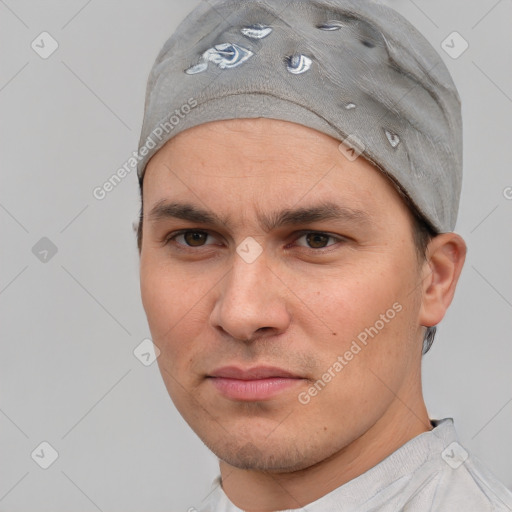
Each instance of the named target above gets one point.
<point>253,384</point>
<point>255,373</point>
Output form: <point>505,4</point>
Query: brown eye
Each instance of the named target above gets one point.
<point>317,240</point>
<point>195,238</point>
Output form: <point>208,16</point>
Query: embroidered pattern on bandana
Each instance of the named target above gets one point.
<point>257,31</point>
<point>225,55</point>
<point>230,55</point>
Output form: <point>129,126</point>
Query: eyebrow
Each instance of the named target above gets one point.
<point>291,216</point>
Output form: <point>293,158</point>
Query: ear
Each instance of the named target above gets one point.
<point>445,258</point>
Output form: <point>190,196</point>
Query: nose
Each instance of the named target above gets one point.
<point>251,302</point>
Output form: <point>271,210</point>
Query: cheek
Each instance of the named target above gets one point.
<point>347,300</point>
<point>365,364</point>
<point>176,305</point>
<point>372,311</point>
<point>158,298</point>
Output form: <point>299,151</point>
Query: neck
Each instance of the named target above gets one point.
<point>255,491</point>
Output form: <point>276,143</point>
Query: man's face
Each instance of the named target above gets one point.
<point>331,304</point>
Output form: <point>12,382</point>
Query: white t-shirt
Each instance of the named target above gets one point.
<point>430,473</point>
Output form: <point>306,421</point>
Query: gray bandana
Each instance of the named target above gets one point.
<point>353,69</point>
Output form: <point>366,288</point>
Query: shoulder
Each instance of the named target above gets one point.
<point>470,486</point>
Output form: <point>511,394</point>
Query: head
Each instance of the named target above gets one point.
<point>263,246</point>
<point>338,265</point>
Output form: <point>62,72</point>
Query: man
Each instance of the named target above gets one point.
<point>300,173</point>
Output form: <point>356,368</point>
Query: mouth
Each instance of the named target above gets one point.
<point>253,384</point>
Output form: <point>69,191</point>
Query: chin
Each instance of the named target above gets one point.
<point>272,457</point>
<point>250,457</point>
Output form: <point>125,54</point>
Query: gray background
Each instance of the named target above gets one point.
<point>70,324</point>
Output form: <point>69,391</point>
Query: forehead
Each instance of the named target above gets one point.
<point>264,162</point>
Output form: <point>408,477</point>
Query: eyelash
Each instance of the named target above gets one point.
<point>300,234</point>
